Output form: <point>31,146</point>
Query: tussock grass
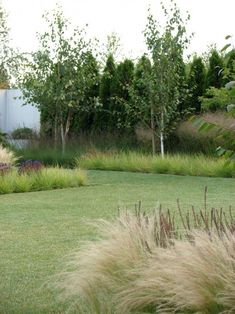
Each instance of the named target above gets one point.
<point>144,264</point>
<point>45,179</point>
<point>196,277</point>
<point>193,165</point>
<point>7,156</point>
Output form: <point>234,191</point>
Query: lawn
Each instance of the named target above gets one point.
<point>39,229</point>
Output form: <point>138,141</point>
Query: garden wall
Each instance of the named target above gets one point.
<point>14,115</point>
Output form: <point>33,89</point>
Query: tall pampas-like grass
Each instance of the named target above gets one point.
<point>147,263</point>
<point>7,156</point>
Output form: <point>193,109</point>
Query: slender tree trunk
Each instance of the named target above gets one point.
<point>55,132</point>
<point>153,132</point>
<point>63,138</point>
<point>64,131</point>
<point>162,136</point>
<point>162,144</point>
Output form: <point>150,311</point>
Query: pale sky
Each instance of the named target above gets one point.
<point>211,20</point>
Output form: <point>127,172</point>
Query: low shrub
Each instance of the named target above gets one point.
<point>179,164</point>
<point>3,139</point>
<point>29,166</point>
<point>49,156</point>
<point>143,263</point>
<point>23,134</point>
<point>46,179</point>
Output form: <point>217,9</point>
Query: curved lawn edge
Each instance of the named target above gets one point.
<point>195,165</point>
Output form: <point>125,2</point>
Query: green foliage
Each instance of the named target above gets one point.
<point>84,120</point>
<point>121,95</point>
<point>5,51</point>
<point>214,77</point>
<point>223,133</point>
<point>222,98</point>
<point>3,139</point>
<point>196,83</point>
<point>112,47</point>
<point>83,143</point>
<point>103,119</point>
<point>4,78</point>
<point>166,46</point>
<point>58,76</point>
<point>184,90</point>
<point>140,95</point>
<point>217,99</point>
<point>46,179</point>
<point>49,155</point>
<point>23,133</point>
<point>229,71</point>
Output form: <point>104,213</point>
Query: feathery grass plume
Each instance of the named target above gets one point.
<point>102,269</point>
<point>143,263</point>
<point>189,277</point>
<point>7,156</point>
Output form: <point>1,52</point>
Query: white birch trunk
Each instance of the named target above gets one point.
<point>162,136</point>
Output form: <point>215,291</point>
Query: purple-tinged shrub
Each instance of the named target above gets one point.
<point>30,166</point>
<point>4,168</point>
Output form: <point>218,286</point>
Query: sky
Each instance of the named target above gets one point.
<point>211,21</point>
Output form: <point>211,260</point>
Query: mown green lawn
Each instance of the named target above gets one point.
<point>38,230</point>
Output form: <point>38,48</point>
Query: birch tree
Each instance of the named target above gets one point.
<point>5,51</point>
<point>166,46</point>
<point>57,76</point>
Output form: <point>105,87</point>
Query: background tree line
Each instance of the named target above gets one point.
<point>113,84</point>
<point>76,93</point>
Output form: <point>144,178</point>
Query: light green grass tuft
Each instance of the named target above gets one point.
<point>192,165</point>
<point>45,179</point>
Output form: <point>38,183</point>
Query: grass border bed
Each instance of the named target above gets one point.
<point>191,165</point>
<point>45,179</point>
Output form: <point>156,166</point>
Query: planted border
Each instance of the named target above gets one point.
<point>192,165</point>
<point>45,179</point>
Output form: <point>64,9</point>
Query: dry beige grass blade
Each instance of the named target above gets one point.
<point>196,277</point>
<point>104,268</point>
<point>140,265</point>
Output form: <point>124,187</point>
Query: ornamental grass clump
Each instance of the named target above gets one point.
<point>7,156</point>
<point>45,179</point>
<point>178,164</point>
<point>188,277</point>
<point>160,262</point>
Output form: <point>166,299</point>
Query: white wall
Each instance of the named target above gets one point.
<point>14,115</point>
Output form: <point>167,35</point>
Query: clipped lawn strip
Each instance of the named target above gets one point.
<point>45,179</point>
<point>192,165</point>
